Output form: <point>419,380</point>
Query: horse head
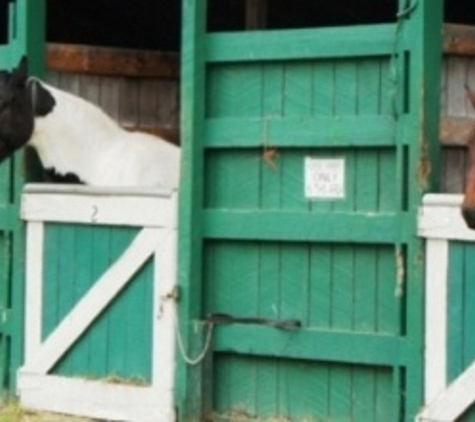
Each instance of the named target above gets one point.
<point>468,205</point>
<point>21,99</point>
<point>16,110</point>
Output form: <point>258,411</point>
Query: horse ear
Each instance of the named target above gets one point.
<point>20,74</point>
<point>470,95</point>
<point>45,101</point>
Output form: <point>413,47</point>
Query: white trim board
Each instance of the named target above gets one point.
<point>147,211</point>
<point>95,399</point>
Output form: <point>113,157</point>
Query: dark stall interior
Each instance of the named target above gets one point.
<point>155,25</point>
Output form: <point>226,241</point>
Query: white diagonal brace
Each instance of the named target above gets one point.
<point>454,401</point>
<point>94,302</point>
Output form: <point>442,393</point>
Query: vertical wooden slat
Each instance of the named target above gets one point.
<point>34,289</point>
<point>455,341</point>
<point>437,295</point>
<point>79,360</point>
<point>469,311</point>
<point>387,301</point>
<point>110,99</point>
<point>320,289</point>
<point>424,70</point>
<point>101,259</point>
<point>365,288</point>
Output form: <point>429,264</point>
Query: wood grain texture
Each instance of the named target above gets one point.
<point>109,61</point>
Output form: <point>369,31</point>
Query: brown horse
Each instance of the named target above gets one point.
<point>468,205</point>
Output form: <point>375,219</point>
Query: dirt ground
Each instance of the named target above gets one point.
<point>12,413</point>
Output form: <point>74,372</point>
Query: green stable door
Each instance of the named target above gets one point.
<point>26,20</point>
<point>306,153</point>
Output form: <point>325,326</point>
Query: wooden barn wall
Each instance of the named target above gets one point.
<point>139,92</point>
<point>457,113</point>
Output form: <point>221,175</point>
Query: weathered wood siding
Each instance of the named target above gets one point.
<point>455,108</point>
<point>457,113</point>
<point>131,95</point>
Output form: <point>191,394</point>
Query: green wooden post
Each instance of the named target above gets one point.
<point>189,388</point>
<point>26,37</point>
<point>424,37</point>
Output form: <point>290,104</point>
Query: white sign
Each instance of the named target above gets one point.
<point>324,178</point>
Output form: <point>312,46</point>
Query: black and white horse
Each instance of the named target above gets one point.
<point>77,140</point>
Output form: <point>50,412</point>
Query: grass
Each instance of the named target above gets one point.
<point>13,413</point>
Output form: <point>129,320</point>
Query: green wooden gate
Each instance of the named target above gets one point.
<point>25,36</point>
<point>267,116</point>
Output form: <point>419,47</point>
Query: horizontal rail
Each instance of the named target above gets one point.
<point>306,226</point>
<point>108,61</point>
<point>101,207</point>
<point>459,40</point>
<point>440,217</point>
<point>344,131</point>
<point>355,348</point>
<point>299,44</point>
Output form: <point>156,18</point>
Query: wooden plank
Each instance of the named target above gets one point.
<point>297,132</point>
<point>300,44</point>
<point>454,131</point>
<point>457,100</point>
<point>453,171</point>
<point>108,61</point>
<point>302,226</point>
<point>342,288</point>
<point>365,289</point>
<point>440,218</point>
<point>319,302</point>
<point>84,208</point>
<point>328,346</point>
<point>95,300</point>
<point>34,288</point>
<point>455,359</point>
<point>468,295</point>
<point>164,312</point>
<point>101,258</point>
<point>193,100</point>
<point>459,39</point>
<point>95,399</point>
<point>436,318</point>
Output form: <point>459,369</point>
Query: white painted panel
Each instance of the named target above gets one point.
<point>95,399</point>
